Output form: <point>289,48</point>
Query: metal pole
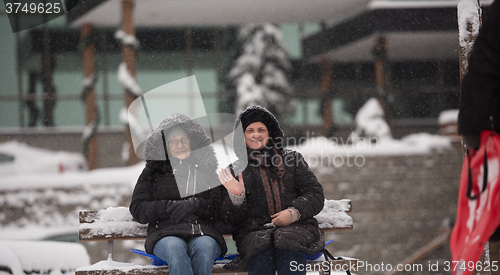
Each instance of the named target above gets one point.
<point>19,75</point>
<point>110,251</point>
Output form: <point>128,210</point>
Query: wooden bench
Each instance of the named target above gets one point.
<point>116,224</point>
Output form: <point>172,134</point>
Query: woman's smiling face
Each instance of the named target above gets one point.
<point>256,135</point>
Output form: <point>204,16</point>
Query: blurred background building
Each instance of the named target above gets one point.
<point>339,54</point>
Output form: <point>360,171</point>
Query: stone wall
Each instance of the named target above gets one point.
<point>400,204</point>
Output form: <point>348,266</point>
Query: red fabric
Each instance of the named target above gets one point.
<point>477,218</point>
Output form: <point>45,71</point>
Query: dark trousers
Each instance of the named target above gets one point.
<point>271,260</point>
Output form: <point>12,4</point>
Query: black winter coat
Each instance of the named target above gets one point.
<point>301,190</point>
<point>480,95</point>
<point>157,186</point>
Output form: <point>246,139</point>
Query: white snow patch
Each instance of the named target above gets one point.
<point>420,143</point>
<point>48,257</point>
<point>333,214</point>
<point>448,117</point>
<point>31,160</point>
<point>127,175</point>
<point>127,80</point>
<point>114,220</point>
<point>127,39</point>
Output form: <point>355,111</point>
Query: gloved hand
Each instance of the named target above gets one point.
<point>180,209</point>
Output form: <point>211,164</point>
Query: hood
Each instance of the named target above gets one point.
<point>275,132</point>
<point>201,152</point>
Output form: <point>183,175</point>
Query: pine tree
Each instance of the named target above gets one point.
<point>260,73</point>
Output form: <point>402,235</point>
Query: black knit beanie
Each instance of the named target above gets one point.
<point>252,117</point>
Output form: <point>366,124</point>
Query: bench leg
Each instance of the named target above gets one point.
<point>110,251</point>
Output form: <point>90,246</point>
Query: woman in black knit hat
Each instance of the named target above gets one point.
<point>271,203</point>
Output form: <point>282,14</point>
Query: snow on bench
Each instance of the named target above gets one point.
<point>116,223</point>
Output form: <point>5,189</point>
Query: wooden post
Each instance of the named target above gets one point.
<point>440,84</point>
<point>128,56</point>
<point>383,78</point>
<point>326,110</point>
<point>90,97</point>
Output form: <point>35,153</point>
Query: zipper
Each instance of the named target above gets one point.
<point>194,183</point>
<point>199,227</point>
<point>188,180</point>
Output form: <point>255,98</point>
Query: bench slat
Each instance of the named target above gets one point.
<point>116,223</point>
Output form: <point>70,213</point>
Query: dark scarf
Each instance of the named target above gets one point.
<point>271,169</point>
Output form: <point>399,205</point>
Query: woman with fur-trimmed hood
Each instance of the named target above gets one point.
<point>271,204</point>
<point>177,196</point>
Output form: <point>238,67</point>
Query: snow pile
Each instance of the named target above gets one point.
<point>448,117</point>
<point>370,121</point>
<point>10,260</point>
<point>20,159</point>
<point>114,220</point>
<point>51,258</point>
<point>334,214</point>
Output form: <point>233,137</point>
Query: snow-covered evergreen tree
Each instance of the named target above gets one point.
<point>259,75</point>
<point>370,122</point>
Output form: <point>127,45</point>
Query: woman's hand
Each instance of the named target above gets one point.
<point>231,184</point>
<point>282,218</point>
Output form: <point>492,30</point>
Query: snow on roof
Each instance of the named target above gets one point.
<point>45,257</point>
<point>448,117</point>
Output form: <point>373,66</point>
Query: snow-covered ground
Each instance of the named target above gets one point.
<point>18,158</point>
<point>52,258</point>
